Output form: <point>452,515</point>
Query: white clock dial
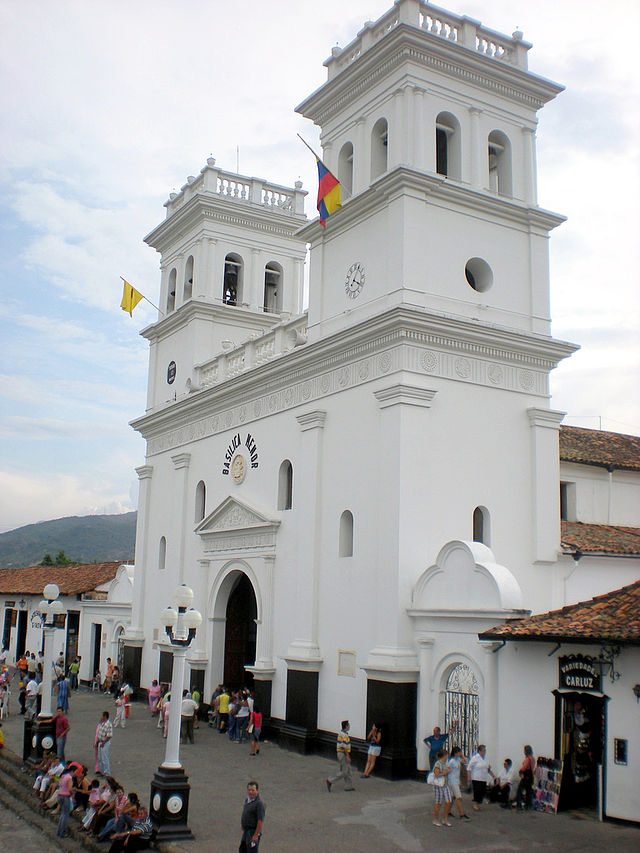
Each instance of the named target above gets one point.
<point>354,281</point>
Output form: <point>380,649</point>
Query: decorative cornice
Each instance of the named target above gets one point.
<point>400,393</point>
<point>145,472</point>
<point>402,339</point>
<point>312,420</point>
<point>436,190</point>
<point>181,460</point>
<point>410,45</point>
<point>203,206</point>
<point>547,418</point>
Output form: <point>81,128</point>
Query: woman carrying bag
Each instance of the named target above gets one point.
<point>438,779</point>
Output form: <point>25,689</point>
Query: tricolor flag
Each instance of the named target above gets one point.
<point>130,298</point>
<point>329,193</point>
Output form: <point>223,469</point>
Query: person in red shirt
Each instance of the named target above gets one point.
<point>62,728</point>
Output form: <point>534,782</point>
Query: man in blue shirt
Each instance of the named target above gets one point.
<point>436,742</point>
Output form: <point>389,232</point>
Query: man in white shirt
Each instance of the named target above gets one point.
<point>32,698</point>
<point>504,786</point>
<point>187,714</point>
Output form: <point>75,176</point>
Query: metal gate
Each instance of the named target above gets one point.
<point>462,708</point>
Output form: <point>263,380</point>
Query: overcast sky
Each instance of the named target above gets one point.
<point>108,106</point>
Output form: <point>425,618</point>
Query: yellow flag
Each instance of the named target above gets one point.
<point>130,298</point>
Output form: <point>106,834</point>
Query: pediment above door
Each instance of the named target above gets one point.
<point>236,526</point>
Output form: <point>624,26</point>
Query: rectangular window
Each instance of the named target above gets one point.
<point>567,501</point>
<point>620,751</point>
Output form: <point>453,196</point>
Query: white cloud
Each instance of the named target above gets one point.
<point>28,498</point>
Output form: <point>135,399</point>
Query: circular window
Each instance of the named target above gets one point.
<point>478,274</point>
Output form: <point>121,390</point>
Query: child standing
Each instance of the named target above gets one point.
<point>119,717</point>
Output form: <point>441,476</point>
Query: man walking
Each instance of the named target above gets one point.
<point>343,754</point>
<point>251,820</point>
<point>62,730</point>
<point>105,733</point>
<point>187,716</point>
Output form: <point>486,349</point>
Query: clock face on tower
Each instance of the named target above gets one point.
<point>354,281</point>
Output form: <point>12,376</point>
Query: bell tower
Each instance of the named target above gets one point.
<point>231,268</point>
<point>428,119</point>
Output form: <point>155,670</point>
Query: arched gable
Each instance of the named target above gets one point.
<point>466,577</point>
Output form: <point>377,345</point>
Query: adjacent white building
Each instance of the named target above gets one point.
<point>97,601</point>
<point>356,491</point>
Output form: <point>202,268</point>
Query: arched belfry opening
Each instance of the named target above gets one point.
<point>240,632</point>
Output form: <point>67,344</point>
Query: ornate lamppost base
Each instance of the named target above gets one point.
<point>170,803</point>
<point>42,736</point>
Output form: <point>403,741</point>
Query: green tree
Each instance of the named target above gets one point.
<point>63,560</point>
<point>47,560</point>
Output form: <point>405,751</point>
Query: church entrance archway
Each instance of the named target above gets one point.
<point>462,708</point>
<point>240,632</point>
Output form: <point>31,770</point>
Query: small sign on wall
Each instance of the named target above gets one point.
<point>579,672</point>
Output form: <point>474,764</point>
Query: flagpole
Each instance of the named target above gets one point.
<point>143,296</point>
<point>310,148</point>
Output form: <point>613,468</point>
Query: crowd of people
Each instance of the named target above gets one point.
<point>232,712</point>
<point>509,788</point>
<point>105,812</point>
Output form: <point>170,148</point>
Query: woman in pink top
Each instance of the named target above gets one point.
<point>255,725</point>
<point>154,696</point>
<point>65,787</point>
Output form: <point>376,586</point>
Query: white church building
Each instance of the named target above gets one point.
<point>355,491</point>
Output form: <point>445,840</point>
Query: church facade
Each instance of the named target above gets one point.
<point>354,492</point>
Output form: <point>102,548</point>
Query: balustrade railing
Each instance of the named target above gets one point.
<point>464,31</point>
<point>256,351</point>
<point>213,181</point>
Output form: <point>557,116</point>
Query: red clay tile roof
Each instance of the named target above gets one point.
<point>71,580</point>
<point>610,618</point>
<point>599,538</point>
<point>604,449</point>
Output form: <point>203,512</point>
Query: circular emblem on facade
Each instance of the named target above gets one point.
<point>306,390</point>
<point>289,396</point>
<point>343,377</point>
<point>325,384</point>
<point>364,369</point>
<point>174,803</point>
<point>527,380</point>
<point>463,368</point>
<point>171,373</point>
<point>354,281</point>
<point>242,414</point>
<point>156,802</point>
<point>384,362</point>
<point>495,374</point>
<point>238,468</point>
<point>47,742</point>
<point>429,361</point>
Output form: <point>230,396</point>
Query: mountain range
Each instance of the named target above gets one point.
<point>84,539</point>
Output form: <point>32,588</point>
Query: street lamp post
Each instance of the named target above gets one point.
<point>170,785</point>
<point>41,730</point>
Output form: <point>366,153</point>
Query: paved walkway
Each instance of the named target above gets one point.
<point>380,816</point>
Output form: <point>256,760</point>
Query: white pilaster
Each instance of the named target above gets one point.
<point>142,556</point>
<point>181,463</point>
